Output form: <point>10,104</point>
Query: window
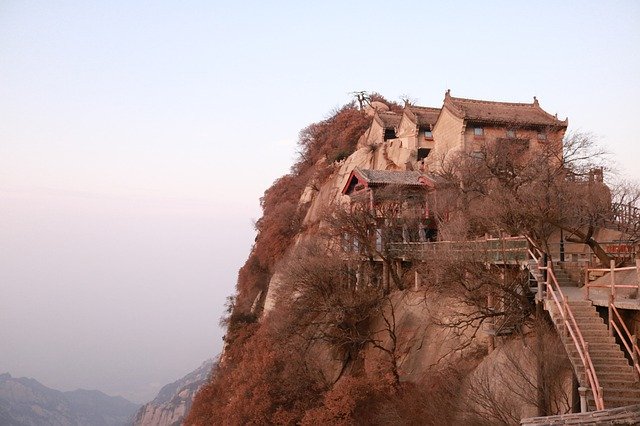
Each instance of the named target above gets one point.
<point>428,134</point>
<point>542,136</point>
<point>511,133</point>
<point>389,133</point>
<point>478,131</point>
<point>423,153</point>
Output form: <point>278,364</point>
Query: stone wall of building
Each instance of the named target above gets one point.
<point>447,134</point>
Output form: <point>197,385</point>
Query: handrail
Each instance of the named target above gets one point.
<point>633,350</point>
<point>574,331</point>
<point>535,246</point>
<point>626,268</point>
<point>612,282</point>
<point>537,260</point>
<point>507,248</point>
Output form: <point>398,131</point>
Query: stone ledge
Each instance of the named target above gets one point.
<point>629,415</point>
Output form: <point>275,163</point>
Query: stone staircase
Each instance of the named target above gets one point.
<point>629,415</point>
<point>535,275</point>
<point>617,378</point>
<point>564,279</point>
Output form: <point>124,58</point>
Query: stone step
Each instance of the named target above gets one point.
<point>584,327</point>
<point>586,324</point>
<point>589,336</point>
<point>601,339</point>
<point>629,383</point>
<point>601,357</point>
<point>621,392</point>
<point>602,363</point>
<point>613,402</point>
<point>581,312</point>
<point>599,353</point>
<point>610,374</point>
<point>581,303</point>
<point>590,321</point>
<point>584,311</point>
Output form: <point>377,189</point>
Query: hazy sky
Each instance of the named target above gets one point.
<point>137,137</point>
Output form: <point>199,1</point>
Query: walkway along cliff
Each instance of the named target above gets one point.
<point>466,263</point>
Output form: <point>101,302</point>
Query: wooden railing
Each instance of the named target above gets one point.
<point>626,213</point>
<point>555,295</point>
<point>612,286</point>
<point>537,256</point>
<point>508,249</point>
<point>621,250</point>
<point>629,340</point>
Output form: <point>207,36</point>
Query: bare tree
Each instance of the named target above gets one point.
<point>323,304</point>
<point>511,187</point>
<point>497,390</point>
<point>484,296</point>
<point>371,228</point>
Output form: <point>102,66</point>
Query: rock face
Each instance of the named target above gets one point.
<point>385,156</point>
<point>174,400</point>
<point>27,402</point>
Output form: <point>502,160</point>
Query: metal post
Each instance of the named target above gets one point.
<point>634,354</point>
<point>610,315</point>
<point>638,276</point>
<point>385,276</point>
<point>612,265</point>
<point>547,277</point>
<point>565,307</point>
<point>561,246</point>
<point>583,398</point>
<point>491,324</point>
<point>586,279</point>
<point>539,281</point>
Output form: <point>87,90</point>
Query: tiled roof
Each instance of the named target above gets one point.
<point>501,112</point>
<point>389,119</point>
<point>390,177</point>
<point>424,116</point>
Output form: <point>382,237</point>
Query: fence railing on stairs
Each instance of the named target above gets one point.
<point>494,250</point>
<point>616,323</point>
<point>629,340</point>
<point>555,296</point>
<point>612,285</point>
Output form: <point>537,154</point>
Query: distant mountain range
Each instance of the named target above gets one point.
<point>27,402</point>
<point>174,400</point>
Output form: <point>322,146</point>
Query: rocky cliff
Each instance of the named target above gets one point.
<point>25,401</point>
<point>174,400</point>
<point>320,353</point>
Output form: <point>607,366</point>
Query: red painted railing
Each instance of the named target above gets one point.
<point>629,341</point>
<point>612,278</point>
<point>554,294</point>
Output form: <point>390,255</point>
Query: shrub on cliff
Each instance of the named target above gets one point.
<point>330,140</point>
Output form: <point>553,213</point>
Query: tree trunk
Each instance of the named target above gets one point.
<point>587,239</point>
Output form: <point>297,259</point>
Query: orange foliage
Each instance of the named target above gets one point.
<point>263,377</point>
<point>332,139</point>
<point>262,380</point>
<point>357,400</point>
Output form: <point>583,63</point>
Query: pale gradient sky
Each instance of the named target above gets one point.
<point>137,137</point>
